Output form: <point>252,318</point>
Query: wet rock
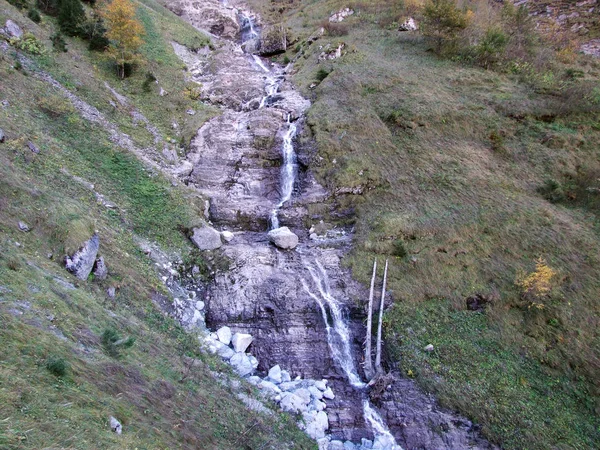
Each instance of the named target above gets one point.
<point>100,269</point>
<point>224,335</point>
<point>115,425</point>
<point>283,238</point>
<point>13,30</point>
<point>241,364</point>
<point>206,238</point>
<point>241,341</point>
<point>24,227</point>
<point>82,261</point>
<point>227,236</point>
<point>273,41</point>
<point>275,374</point>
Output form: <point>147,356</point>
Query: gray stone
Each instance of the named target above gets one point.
<point>285,376</point>
<point>304,394</point>
<point>33,147</point>
<point>341,15</point>
<point>349,445</point>
<point>254,380</point>
<point>82,261</point>
<point>13,30</point>
<point>100,269</point>
<point>283,238</point>
<point>253,361</point>
<point>275,374</point>
<point>241,341</point>
<point>24,227</point>
<point>227,236</point>
<point>315,392</point>
<point>289,386</point>
<point>2,136</point>
<point>317,405</point>
<point>111,292</point>
<point>241,364</point>
<point>225,352</point>
<point>206,238</point>
<point>321,384</point>
<point>316,429</point>
<point>292,403</point>
<point>273,41</point>
<point>115,425</point>
<point>428,348</point>
<point>365,443</point>
<point>183,170</point>
<point>224,335</point>
<point>270,388</point>
<point>408,25</point>
<point>336,445</point>
<point>328,394</point>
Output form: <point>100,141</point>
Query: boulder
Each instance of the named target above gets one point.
<point>349,445</point>
<point>321,384</point>
<point>408,25</point>
<point>341,15</point>
<point>429,348</point>
<point>269,388</point>
<point>241,341</point>
<point>183,170</point>
<point>100,269</point>
<point>23,227</point>
<point>254,380</point>
<point>225,352</point>
<point>2,136</point>
<point>328,394</point>
<point>224,335</point>
<point>285,376</point>
<point>304,394</point>
<point>316,405</point>
<point>115,425</point>
<point>13,30</point>
<point>292,403</point>
<point>206,238</point>
<point>241,364</point>
<point>253,361</point>
<point>111,292</point>
<point>273,41</point>
<point>316,428</point>
<point>315,392</point>
<point>283,238</point>
<point>336,445</point>
<point>82,261</point>
<point>227,236</point>
<point>275,374</point>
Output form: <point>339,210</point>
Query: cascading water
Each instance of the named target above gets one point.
<point>338,337</point>
<point>289,170</point>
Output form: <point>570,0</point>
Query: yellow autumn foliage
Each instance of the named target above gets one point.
<point>538,284</point>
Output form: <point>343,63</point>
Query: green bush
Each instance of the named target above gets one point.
<point>29,43</point>
<point>34,15</point>
<point>57,366</point>
<point>442,21</point>
<point>113,343</point>
<point>491,48</point>
<point>94,31</point>
<point>71,17</point>
<point>399,249</point>
<point>321,74</point>
<point>58,42</point>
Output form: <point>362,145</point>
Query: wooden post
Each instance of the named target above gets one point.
<point>378,356</point>
<point>368,357</point>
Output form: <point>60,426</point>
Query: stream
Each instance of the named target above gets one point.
<point>303,310</point>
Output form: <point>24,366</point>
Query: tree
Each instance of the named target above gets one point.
<point>124,32</point>
<point>442,21</point>
<point>70,16</point>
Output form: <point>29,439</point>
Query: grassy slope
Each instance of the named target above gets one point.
<point>42,316</point>
<point>468,213</point>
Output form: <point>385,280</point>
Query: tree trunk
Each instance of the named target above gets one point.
<point>378,357</point>
<point>368,356</point>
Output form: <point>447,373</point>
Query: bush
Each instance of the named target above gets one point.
<point>55,106</point>
<point>71,17</point>
<point>538,285</point>
<point>94,31</point>
<point>34,15</point>
<point>321,74</point>
<point>113,343</point>
<point>442,21</point>
<point>491,48</point>
<point>29,43</point>
<point>399,249</point>
<point>58,42</point>
<point>149,80</point>
<point>57,366</point>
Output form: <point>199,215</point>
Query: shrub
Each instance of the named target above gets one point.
<point>57,366</point>
<point>491,48</point>
<point>58,42</point>
<point>442,21</point>
<point>286,59</point>
<point>113,343</point>
<point>95,32</point>
<point>538,285</point>
<point>71,17</point>
<point>321,74</point>
<point>34,15</point>
<point>55,106</point>
<point>552,191</point>
<point>147,85</point>
<point>29,43</point>
<point>334,29</point>
<point>399,249</point>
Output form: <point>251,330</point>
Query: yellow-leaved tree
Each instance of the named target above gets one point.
<point>537,285</point>
<point>124,32</point>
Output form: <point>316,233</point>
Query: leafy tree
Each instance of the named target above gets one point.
<point>442,21</point>
<point>71,16</point>
<point>95,32</point>
<point>124,33</point>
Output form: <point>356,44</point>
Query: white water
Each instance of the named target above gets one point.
<point>338,338</point>
<point>289,169</point>
<point>247,19</point>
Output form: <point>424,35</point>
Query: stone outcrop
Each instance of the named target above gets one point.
<point>341,15</point>
<point>208,15</point>
<point>12,30</point>
<point>100,270</point>
<point>273,41</point>
<point>82,261</point>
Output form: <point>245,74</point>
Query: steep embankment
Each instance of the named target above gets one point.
<point>464,177</point>
<point>69,167</point>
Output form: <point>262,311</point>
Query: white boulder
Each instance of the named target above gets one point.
<point>241,341</point>
<point>241,364</point>
<point>224,335</point>
<point>328,394</point>
<point>275,374</point>
<point>283,238</point>
<point>227,236</point>
<point>206,238</point>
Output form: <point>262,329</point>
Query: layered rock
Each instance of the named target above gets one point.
<point>208,15</point>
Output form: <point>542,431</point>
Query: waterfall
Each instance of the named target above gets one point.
<point>338,338</point>
<point>289,169</point>
<point>247,26</point>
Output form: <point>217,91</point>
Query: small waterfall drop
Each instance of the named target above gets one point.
<point>289,170</point>
<point>338,337</point>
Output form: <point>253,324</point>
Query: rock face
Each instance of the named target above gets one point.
<point>206,238</point>
<point>209,15</point>
<point>13,30</point>
<point>283,238</point>
<point>82,261</point>
<point>341,15</point>
<point>100,269</point>
<point>273,41</point>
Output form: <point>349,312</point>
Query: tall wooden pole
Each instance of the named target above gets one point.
<point>378,356</point>
<point>368,356</point>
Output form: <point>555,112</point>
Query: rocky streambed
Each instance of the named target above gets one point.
<point>303,312</point>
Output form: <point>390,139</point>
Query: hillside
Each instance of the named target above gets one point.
<point>451,172</point>
<point>79,155</point>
